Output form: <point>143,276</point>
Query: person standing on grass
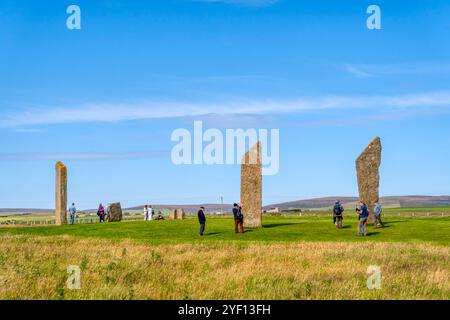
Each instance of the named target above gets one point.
<point>202,220</point>
<point>238,218</point>
<point>363,215</point>
<point>150,213</point>
<point>108,213</point>
<point>377,211</point>
<point>72,212</point>
<point>338,210</point>
<point>101,213</point>
<point>146,212</point>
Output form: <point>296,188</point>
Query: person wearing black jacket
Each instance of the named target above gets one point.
<point>201,219</point>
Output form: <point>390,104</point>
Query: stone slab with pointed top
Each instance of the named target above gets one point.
<point>61,194</point>
<point>251,187</point>
<point>367,169</point>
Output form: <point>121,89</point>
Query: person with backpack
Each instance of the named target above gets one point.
<point>72,212</point>
<point>363,215</point>
<point>202,220</point>
<point>101,213</point>
<point>377,211</point>
<point>238,218</point>
<point>338,210</point>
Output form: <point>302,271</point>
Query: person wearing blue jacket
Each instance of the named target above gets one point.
<point>238,218</point>
<point>363,215</point>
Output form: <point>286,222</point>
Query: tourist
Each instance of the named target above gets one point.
<point>146,212</point>
<point>101,213</point>
<point>363,215</point>
<point>238,218</point>
<point>338,209</point>
<point>150,213</point>
<point>108,213</point>
<point>201,220</point>
<point>377,211</point>
<point>159,216</point>
<point>72,212</point>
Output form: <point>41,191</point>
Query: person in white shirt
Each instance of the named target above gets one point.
<point>150,213</point>
<point>146,212</point>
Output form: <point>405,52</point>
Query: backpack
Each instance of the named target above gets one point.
<point>240,216</point>
<point>337,210</point>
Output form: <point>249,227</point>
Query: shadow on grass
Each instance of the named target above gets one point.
<point>274,225</point>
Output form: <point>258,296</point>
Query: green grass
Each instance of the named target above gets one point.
<point>275,229</point>
<point>289,258</point>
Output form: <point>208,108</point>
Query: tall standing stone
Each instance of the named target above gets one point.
<point>61,194</point>
<point>251,187</point>
<point>367,170</point>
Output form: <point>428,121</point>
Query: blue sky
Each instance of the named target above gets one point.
<point>105,99</point>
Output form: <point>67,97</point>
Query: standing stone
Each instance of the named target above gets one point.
<point>115,212</point>
<point>367,169</point>
<point>180,214</point>
<point>173,214</point>
<point>251,187</point>
<point>177,214</point>
<point>61,194</point>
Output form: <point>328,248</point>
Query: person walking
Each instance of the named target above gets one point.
<point>377,211</point>
<point>363,215</point>
<point>101,213</point>
<point>338,210</point>
<point>146,212</point>
<point>202,220</point>
<point>238,218</point>
<point>72,212</point>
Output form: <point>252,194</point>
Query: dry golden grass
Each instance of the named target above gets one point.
<point>36,268</point>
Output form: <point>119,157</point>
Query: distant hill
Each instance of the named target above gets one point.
<point>390,202</point>
<point>188,208</point>
<point>309,204</point>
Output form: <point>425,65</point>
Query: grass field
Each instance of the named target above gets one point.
<point>289,258</point>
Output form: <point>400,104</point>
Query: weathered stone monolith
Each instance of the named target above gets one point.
<point>115,212</point>
<point>251,187</point>
<point>181,214</point>
<point>61,194</point>
<point>173,214</point>
<point>367,170</point>
<point>177,214</point>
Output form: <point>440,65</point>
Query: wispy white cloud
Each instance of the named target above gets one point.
<point>358,72</point>
<point>111,112</point>
<point>80,155</point>
<point>28,130</point>
<point>372,70</point>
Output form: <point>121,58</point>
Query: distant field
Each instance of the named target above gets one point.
<point>289,258</point>
<point>42,218</point>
